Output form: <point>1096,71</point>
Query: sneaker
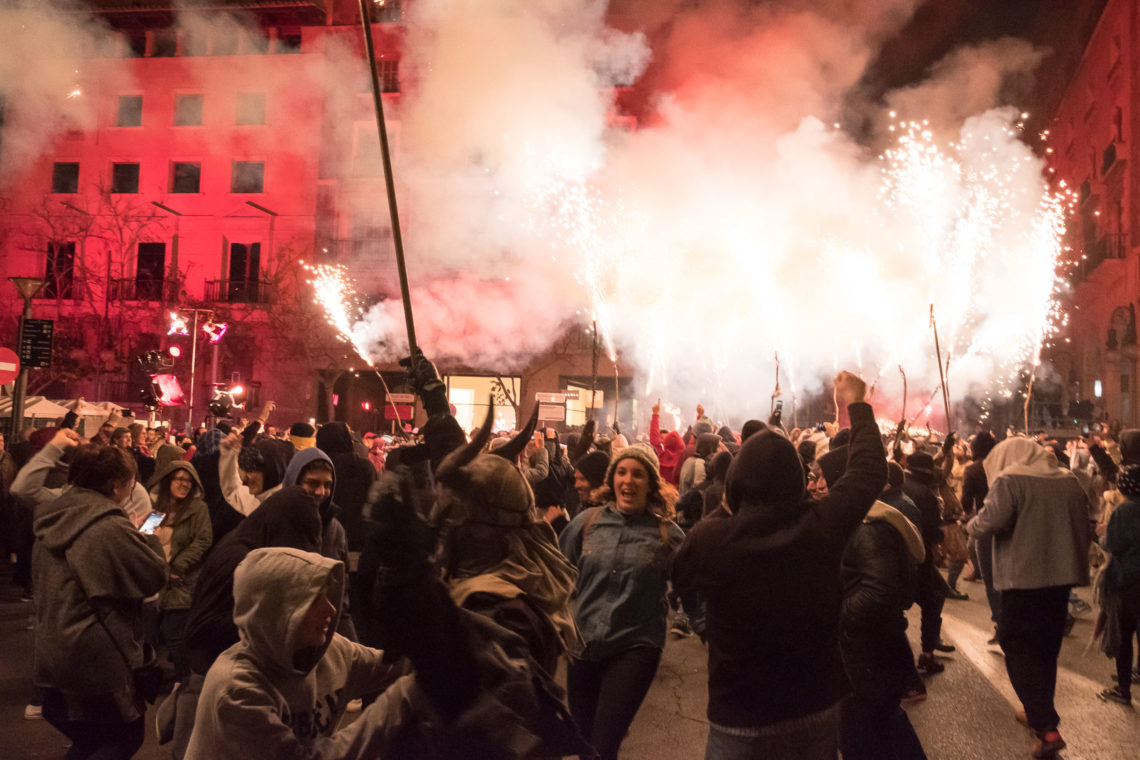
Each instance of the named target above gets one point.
<point>681,627</point>
<point>33,712</point>
<point>928,665</point>
<point>957,595</point>
<point>913,696</point>
<point>26,596</point>
<point>1114,694</point>
<point>942,646</point>
<point>354,705</point>
<point>1048,745</point>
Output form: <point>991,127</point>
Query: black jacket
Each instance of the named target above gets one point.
<point>770,574</point>
<point>878,584</point>
<point>974,488</point>
<point>923,497</point>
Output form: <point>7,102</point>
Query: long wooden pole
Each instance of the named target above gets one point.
<point>389,181</point>
<point>941,372</point>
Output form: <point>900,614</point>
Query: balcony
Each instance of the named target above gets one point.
<point>143,290</point>
<point>63,289</point>
<point>240,291</point>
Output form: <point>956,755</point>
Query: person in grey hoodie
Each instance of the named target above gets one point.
<point>313,471</point>
<point>92,570</point>
<point>1037,514</point>
<point>281,691</point>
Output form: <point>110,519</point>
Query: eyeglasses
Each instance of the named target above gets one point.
<point>182,479</point>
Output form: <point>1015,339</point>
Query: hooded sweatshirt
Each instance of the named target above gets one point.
<point>1037,513</point>
<point>265,697</point>
<point>186,536</point>
<point>286,519</point>
<point>334,541</point>
<point>275,456</point>
<point>770,574</point>
<point>90,564</point>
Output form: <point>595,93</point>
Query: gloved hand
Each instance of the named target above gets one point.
<point>426,383</point>
<point>948,444</point>
<point>401,541</point>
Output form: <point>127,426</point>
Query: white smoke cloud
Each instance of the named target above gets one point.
<point>738,222</point>
<point>52,65</point>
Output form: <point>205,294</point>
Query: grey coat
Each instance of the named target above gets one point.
<point>90,564</point>
<point>1040,528</point>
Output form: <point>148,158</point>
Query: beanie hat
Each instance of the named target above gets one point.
<point>303,435</point>
<point>806,450</point>
<point>833,464</point>
<point>982,444</point>
<point>895,475</point>
<point>1128,480</point>
<point>767,471</point>
<point>649,452</point>
<point>750,428</point>
<point>646,458</point>
<point>593,467</point>
<point>703,425</point>
<point>1130,446</point>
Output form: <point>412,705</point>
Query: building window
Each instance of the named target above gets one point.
<point>165,43</point>
<point>288,40</point>
<point>135,43</point>
<point>250,108</point>
<point>186,177</point>
<point>130,111</point>
<point>245,273</point>
<point>386,11</point>
<point>187,110</point>
<point>124,178</point>
<point>65,177</point>
<point>60,271</point>
<point>389,72</point>
<point>150,271</point>
<point>248,177</point>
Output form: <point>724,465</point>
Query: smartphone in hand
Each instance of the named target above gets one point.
<point>151,523</point>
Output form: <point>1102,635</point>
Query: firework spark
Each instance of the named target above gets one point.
<point>335,294</point>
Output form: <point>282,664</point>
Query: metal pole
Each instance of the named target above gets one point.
<point>21,390</point>
<point>389,182</point>
<point>193,367</point>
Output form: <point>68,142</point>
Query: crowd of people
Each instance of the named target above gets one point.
<point>277,579</point>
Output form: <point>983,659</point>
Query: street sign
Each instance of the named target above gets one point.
<point>550,398</point>
<point>406,412</point>
<point>571,394</point>
<point>400,398</point>
<point>9,366</point>
<point>36,342</point>
<point>551,412</point>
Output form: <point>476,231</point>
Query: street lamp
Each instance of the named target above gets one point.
<point>27,287</point>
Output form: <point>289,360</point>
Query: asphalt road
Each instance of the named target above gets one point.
<point>968,715</point>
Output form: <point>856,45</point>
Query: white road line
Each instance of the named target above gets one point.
<point>1092,728</point>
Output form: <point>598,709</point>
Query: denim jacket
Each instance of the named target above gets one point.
<point>619,601</point>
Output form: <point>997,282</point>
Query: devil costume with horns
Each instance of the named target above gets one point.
<point>477,598</point>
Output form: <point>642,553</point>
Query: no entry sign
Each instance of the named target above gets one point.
<point>9,365</point>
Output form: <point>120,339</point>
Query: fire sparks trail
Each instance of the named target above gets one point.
<point>336,295</point>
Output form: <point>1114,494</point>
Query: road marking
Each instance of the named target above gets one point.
<point>1091,727</point>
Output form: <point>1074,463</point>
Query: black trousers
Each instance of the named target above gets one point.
<point>1128,621</point>
<point>1032,626</point>
<point>109,739</point>
<point>604,696</point>
<point>931,595</point>
<point>872,726</point>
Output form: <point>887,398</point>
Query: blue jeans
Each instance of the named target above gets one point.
<point>813,737</point>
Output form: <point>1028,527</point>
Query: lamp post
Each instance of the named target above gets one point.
<point>209,315</point>
<point>28,287</point>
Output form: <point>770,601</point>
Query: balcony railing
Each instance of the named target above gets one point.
<point>63,289</point>
<point>240,291</point>
<point>143,290</point>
